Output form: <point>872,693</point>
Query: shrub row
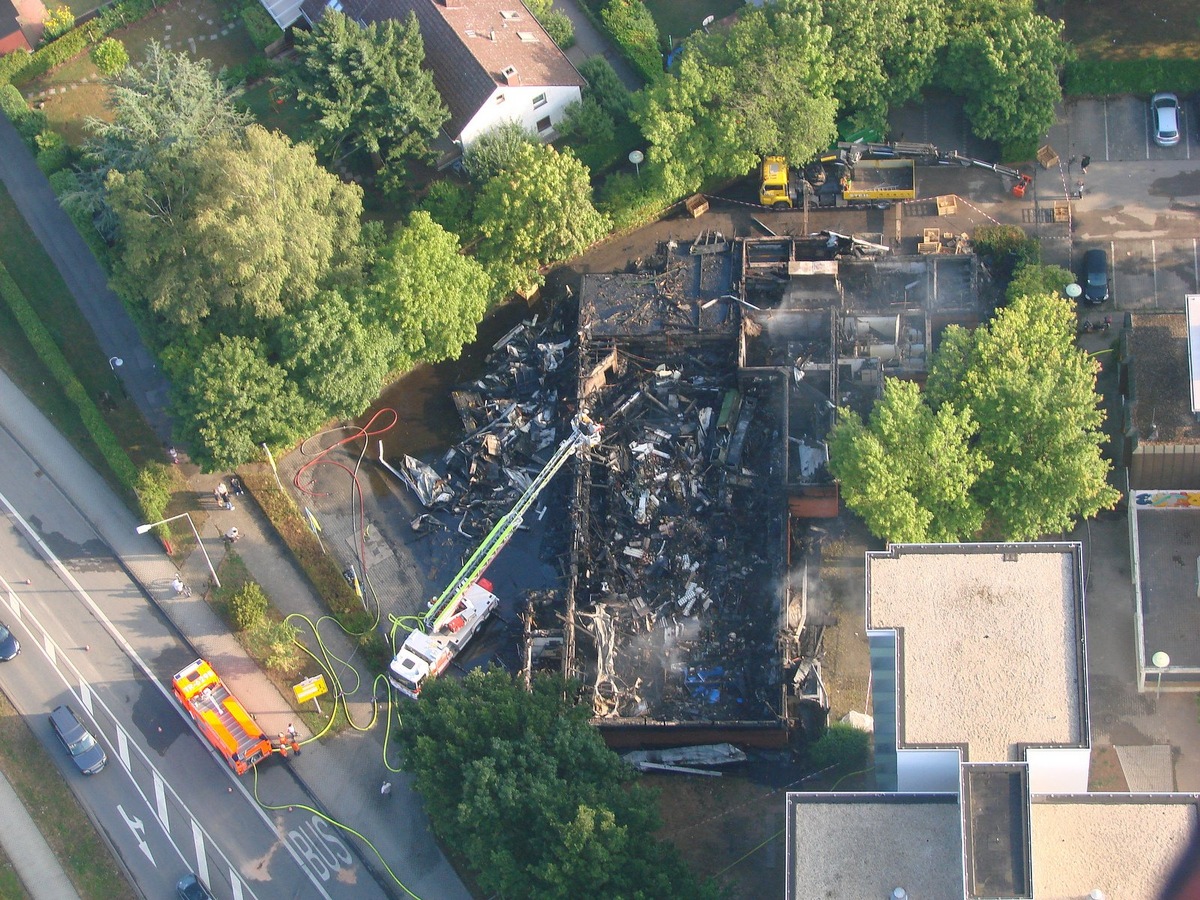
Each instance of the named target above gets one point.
<point>631,26</point>
<point>49,353</point>
<point>1104,77</point>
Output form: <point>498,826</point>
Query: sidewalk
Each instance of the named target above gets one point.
<point>36,864</point>
<point>341,774</point>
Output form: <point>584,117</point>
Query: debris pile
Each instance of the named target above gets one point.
<point>511,416</point>
<point>676,590</point>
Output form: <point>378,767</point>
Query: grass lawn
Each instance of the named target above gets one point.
<point>1118,29</point>
<point>58,815</point>
<point>29,266</point>
<point>74,90</point>
<point>679,18</point>
<point>10,884</point>
<point>286,117</point>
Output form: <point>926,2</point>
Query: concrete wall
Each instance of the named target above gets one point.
<point>1165,466</point>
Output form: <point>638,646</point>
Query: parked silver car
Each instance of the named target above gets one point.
<point>1164,108</point>
<point>85,752</point>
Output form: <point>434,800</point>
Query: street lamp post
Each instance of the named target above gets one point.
<point>114,362</point>
<point>1160,660</point>
<point>142,529</point>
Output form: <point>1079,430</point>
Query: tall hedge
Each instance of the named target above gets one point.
<point>633,28</point>
<point>49,353</point>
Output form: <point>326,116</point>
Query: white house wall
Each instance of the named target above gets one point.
<point>515,103</point>
<point>927,771</point>
<point>1058,770</point>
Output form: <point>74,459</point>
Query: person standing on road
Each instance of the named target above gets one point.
<point>178,586</point>
<point>1084,163</point>
<point>385,789</point>
<point>222,493</point>
<point>232,535</point>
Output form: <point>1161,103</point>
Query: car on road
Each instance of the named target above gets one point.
<point>1095,277</point>
<point>86,753</point>
<point>1164,108</point>
<point>9,645</point>
<point>189,888</point>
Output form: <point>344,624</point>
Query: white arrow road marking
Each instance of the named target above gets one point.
<point>139,830</point>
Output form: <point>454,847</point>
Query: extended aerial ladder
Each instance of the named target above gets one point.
<point>458,612</point>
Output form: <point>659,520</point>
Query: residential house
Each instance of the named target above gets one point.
<point>491,61</point>
<point>11,36</point>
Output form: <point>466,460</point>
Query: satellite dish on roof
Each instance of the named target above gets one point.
<point>1073,290</point>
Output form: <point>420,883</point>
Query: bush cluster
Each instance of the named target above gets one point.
<point>53,152</point>
<point>57,23</point>
<point>28,122</point>
<point>631,26</point>
<point>260,26</point>
<point>248,607</point>
<point>560,28</point>
<point>841,745</point>
<point>110,56</point>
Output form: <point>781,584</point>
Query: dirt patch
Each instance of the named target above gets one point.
<point>1116,29</point>
<point>1106,773</point>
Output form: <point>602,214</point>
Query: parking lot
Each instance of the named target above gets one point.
<point>1119,129</point>
<point>1140,202</point>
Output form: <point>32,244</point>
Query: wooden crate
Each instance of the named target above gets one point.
<point>1062,210</point>
<point>930,235</point>
<point>926,248</point>
<point>1046,156</point>
<point>697,205</point>
<point>947,205</point>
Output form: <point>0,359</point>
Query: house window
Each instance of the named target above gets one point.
<point>543,125</point>
<point>508,15</point>
<point>499,98</point>
<point>527,37</point>
<point>539,101</point>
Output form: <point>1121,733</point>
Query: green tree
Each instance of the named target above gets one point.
<point>496,150</point>
<point>762,87</point>
<point>538,212</point>
<point>110,56</point>
<point>1005,64</point>
<point>909,472</point>
<point>164,109</point>
<point>486,754</point>
<point>428,296</point>
<point>264,228</point>
<point>882,54</point>
<point>1036,280</point>
<point>1032,393</point>
<point>586,121</point>
<point>230,398</point>
<point>365,88</point>
<point>560,28</point>
<point>337,363</point>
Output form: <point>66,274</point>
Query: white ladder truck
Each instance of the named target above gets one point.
<point>461,609</point>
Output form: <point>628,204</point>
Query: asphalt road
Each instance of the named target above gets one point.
<point>166,803</point>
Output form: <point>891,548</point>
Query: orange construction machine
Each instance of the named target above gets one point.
<point>221,718</point>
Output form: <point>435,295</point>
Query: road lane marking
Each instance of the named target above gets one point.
<point>201,859</point>
<point>1107,151</point>
<point>139,832</point>
<point>53,656</point>
<point>1112,256</point>
<point>160,802</point>
<point>1154,269</point>
<point>123,749</point>
<point>1196,264</point>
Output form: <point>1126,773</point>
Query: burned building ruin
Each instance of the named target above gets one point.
<point>715,369</point>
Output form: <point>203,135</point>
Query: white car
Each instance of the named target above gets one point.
<point>1165,110</point>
